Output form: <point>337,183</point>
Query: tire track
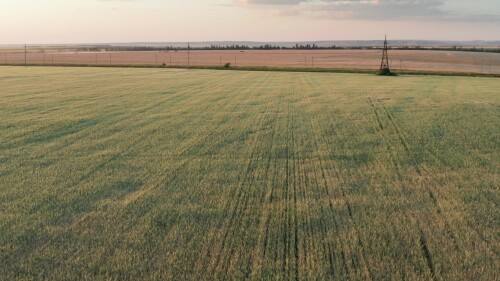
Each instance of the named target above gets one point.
<point>432,195</point>
<point>327,247</point>
<point>191,152</point>
<point>292,122</point>
<point>388,147</point>
<point>364,270</point>
<point>428,258</point>
<point>267,199</point>
<point>447,227</point>
<point>231,224</point>
<point>422,242</point>
<point>115,158</point>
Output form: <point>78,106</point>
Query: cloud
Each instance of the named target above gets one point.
<point>374,10</point>
<point>378,9</point>
<point>271,2</point>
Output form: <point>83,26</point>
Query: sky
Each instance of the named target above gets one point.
<point>114,21</point>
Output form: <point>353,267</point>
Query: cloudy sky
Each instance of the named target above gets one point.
<point>91,21</point>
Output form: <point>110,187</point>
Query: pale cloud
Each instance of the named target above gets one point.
<point>374,10</point>
<point>271,2</point>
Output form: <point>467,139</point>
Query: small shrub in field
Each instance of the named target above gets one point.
<point>227,65</point>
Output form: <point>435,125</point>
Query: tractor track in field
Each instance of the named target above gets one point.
<point>427,256</point>
<point>241,205</point>
<point>432,195</point>
<point>113,122</point>
<point>75,182</point>
<point>95,169</point>
<point>307,246</point>
<point>447,227</point>
<point>290,223</point>
<point>327,247</point>
<point>173,173</point>
<point>363,267</point>
<point>296,227</point>
<point>304,248</point>
<point>290,227</point>
<point>388,145</point>
<point>143,110</point>
<point>185,152</point>
<point>331,207</point>
<point>267,199</point>
<point>423,244</point>
<point>226,228</point>
<point>159,179</point>
<point>440,211</point>
<point>291,124</point>
<point>321,182</point>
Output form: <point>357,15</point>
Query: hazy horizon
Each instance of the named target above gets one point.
<point>129,21</point>
<point>321,43</point>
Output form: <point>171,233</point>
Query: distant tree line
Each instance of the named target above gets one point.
<point>262,47</point>
<point>453,48</point>
<point>316,47</point>
<point>277,47</point>
<point>211,47</point>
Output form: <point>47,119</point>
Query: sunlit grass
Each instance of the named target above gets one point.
<point>147,174</point>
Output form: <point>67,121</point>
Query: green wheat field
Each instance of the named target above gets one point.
<point>157,174</point>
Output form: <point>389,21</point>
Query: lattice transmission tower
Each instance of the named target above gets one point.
<point>385,68</point>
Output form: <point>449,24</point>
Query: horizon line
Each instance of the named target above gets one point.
<point>246,41</point>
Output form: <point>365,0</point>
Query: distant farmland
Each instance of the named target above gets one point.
<point>152,174</point>
<point>402,60</point>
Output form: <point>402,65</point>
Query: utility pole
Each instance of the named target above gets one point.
<point>189,58</point>
<point>25,59</point>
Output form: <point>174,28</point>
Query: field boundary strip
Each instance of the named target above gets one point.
<point>267,68</point>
